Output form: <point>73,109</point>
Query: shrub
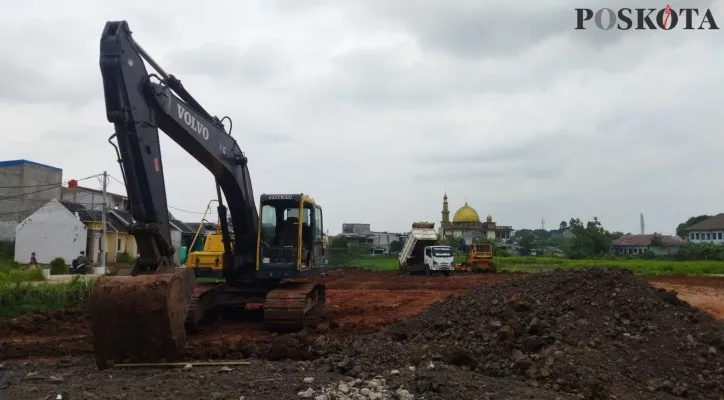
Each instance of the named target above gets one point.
<point>648,255</point>
<point>124,258</point>
<point>7,249</point>
<point>58,266</point>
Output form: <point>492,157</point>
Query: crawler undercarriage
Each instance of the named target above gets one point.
<point>287,307</point>
<point>146,317</point>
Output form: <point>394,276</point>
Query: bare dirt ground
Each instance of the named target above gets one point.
<point>42,355</point>
<point>706,293</point>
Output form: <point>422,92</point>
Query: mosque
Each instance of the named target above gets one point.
<point>466,224</point>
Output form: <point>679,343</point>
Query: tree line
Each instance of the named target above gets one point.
<point>577,239</point>
<point>592,240</point>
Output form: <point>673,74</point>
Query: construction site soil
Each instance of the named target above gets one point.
<point>593,334</point>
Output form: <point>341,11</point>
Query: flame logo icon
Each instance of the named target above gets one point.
<point>667,11</point>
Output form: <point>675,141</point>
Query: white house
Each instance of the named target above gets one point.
<point>51,231</point>
<point>636,245</point>
<point>710,230</point>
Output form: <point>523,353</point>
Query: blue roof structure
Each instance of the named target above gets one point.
<point>13,163</point>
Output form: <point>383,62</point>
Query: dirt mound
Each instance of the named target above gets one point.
<point>47,323</point>
<point>596,332</point>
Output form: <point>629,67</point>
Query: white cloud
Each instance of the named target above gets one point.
<point>376,108</point>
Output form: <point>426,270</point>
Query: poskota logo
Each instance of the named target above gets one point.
<point>665,18</point>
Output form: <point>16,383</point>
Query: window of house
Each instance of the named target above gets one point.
<point>118,247</point>
<point>708,236</point>
<point>719,235</point>
<point>697,236</point>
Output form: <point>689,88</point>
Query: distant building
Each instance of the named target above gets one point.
<point>710,230</point>
<point>361,234</point>
<point>92,199</point>
<point>51,231</point>
<point>466,224</point>
<point>25,186</point>
<point>63,229</point>
<point>633,245</point>
<point>357,229</point>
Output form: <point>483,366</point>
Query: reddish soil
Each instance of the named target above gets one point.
<point>562,336</point>
<point>358,302</point>
<point>706,293</point>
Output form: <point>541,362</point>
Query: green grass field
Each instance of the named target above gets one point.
<point>12,272</point>
<point>22,298</point>
<point>535,264</point>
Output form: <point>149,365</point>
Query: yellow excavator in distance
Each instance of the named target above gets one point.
<point>207,262</point>
<point>478,259</point>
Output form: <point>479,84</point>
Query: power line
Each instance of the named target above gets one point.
<point>190,212</point>
<point>45,184</point>
<point>25,194</point>
<point>29,186</point>
<point>173,208</point>
<point>54,185</point>
<point>33,210</point>
<point>57,185</point>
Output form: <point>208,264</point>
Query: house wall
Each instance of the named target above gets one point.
<point>383,239</point>
<point>93,200</point>
<point>131,246</point>
<point>52,231</point>
<point>638,250</point>
<point>120,242</point>
<point>26,193</point>
<point>176,243</point>
<point>113,238</point>
<point>716,237</point>
<point>356,229</point>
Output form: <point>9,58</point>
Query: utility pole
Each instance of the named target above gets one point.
<point>103,223</point>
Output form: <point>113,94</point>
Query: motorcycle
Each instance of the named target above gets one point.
<point>76,268</point>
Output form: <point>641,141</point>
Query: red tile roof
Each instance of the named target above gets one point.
<point>645,240</point>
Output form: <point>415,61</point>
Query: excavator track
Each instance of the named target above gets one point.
<point>200,298</point>
<point>292,305</point>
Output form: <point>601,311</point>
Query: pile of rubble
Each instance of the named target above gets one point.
<point>592,333</point>
<point>355,389</point>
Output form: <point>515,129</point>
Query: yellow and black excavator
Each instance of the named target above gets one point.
<point>275,249</point>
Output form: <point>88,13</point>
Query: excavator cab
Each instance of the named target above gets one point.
<point>291,236</point>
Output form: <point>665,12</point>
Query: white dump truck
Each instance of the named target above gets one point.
<point>421,253</point>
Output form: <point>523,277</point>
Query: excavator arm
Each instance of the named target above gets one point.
<point>142,316</point>
<point>139,104</point>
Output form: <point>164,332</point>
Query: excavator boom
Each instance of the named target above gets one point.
<point>145,316</point>
<point>142,317</point>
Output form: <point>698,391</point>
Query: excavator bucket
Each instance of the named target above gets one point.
<point>140,318</point>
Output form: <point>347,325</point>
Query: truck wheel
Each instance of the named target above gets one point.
<point>428,272</point>
<point>448,273</point>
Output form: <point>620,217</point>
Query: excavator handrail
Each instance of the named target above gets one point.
<point>201,225</point>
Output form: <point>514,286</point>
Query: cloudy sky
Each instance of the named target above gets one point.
<point>377,107</point>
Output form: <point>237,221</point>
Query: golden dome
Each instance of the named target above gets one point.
<point>466,214</point>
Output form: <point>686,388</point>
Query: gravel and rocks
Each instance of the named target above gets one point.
<point>356,389</point>
<point>596,333</point>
